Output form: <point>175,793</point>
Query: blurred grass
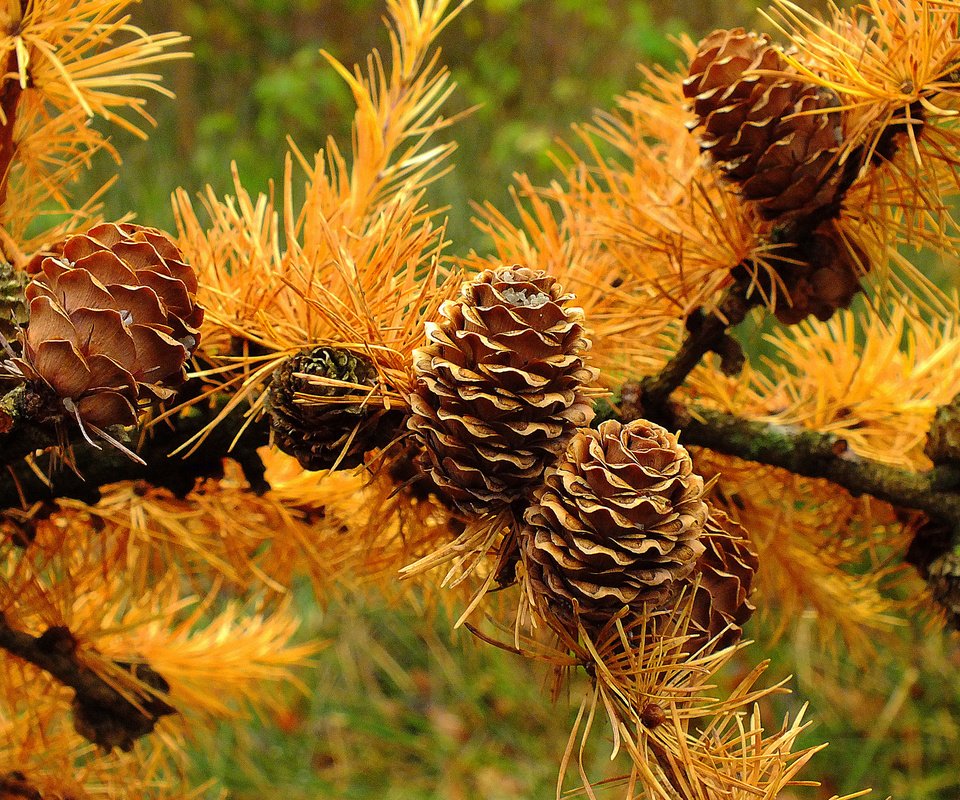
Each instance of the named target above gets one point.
<point>400,708</point>
<point>892,721</point>
<point>397,707</point>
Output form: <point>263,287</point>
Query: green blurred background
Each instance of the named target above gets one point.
<point>398,707</point>
<point>533,66</point>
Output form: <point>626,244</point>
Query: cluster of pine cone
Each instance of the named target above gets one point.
<point>778,138</point>
<point>606,518</point>
<point>603,519</point>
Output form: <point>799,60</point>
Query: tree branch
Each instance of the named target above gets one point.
<point>101,713</point>
<point>10,93</point>
<point>25,424</point>
<point>97,466</point>
<point>813,455</point>
<point>705,334</point>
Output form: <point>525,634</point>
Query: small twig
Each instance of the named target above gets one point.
<point>10,93</point>
<point>705,334</point>
<point>662,763</point>
<point>101,713</point>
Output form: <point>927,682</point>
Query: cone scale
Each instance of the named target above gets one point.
<point>616,523</point>
<point>767,130</point>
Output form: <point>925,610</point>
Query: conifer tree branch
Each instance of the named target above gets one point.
<point>95,466</point>
<point>101,713</point>
<point>705,334</point>
<point>21,431</point>
<point>812,455</point>
<point>802,452</point>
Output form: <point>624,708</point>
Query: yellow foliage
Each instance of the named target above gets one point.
<point>67,62</point>
<point>361,260</point>
<point>349,252</point>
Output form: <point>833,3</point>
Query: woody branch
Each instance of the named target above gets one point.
<point>95,466</point>
<point>101,712</point>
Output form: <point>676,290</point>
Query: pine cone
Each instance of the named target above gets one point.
<point>943,578</point>
<point>726,570</point>
<point>821,275</point>
<point>337,433</point>
<point>616,522</point>
<point>943,442</point>
<point>773,135</point>
<point>500,386</point>
<point>13,302</point>
<point>113,320</point>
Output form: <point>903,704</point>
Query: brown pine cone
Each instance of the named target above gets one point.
<point>500,387</point>
<point>716,78</point>
<point>774,135</point>
<point>721,605</point>
<point>943,442</point>
<point>113,320</point>
<point>328,430</point>
<point>616,522</point>
<point>821,275</point>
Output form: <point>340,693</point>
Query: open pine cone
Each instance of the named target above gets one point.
<point>721,605</point>
<point>616,522</point>
<point>330,430</point>
<point>113,320</point>
<point>500,386</point>
<point>775,135</point>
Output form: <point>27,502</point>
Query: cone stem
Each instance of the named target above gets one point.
<point>705,334</point>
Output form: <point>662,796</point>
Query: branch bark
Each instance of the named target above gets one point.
<point>936,492</point>
<point>807,453</point>
<point>101,713</point>
<point>819,455</point>
<point>100,465</point>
